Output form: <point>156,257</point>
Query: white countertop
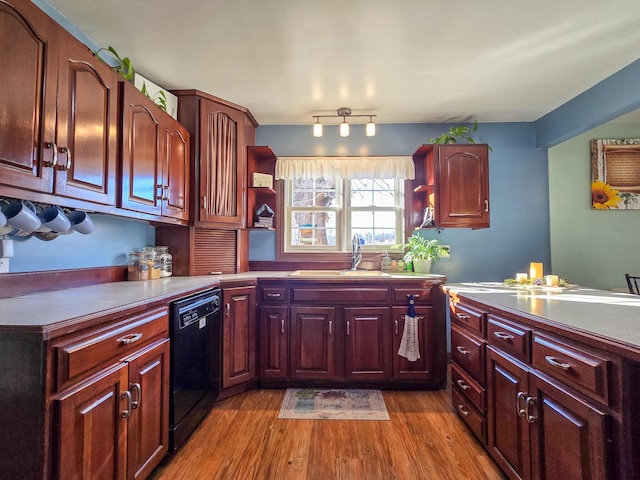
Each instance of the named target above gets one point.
<point>609,315</point>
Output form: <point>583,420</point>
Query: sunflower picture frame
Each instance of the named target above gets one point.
<point>615,174</point>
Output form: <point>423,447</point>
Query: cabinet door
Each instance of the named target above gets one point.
<point>148,434</point>
<point>462,193</point>
<point>28,75</point>
<point>568,435</point>
<point>222,164</point>
<point>141,185</point>
<point>92,428</point>
<point>238,360</point>
<point>312,342</point>
<point>424,367</point>
<point>508,431</point>
<point>274,345</point>
<point>367,343</point>
<point>175,185</point>
<point>87,125</point>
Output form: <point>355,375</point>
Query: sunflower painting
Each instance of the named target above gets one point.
<point>615,174</point>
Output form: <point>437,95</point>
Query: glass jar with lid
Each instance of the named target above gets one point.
<point>166,261</point>
<point>154,263</point>
<point>138,266</point>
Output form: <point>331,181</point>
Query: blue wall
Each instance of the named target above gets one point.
<point>519,231</point>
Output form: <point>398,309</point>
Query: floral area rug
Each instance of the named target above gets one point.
<point>336,404</point>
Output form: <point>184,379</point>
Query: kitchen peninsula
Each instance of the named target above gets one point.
<point>545,378</point>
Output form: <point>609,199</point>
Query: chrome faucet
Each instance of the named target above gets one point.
<point>356,251</point>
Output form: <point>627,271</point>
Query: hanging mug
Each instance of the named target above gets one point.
<point>22,215</point>
<point>54,219</point>
<point>81,222</point>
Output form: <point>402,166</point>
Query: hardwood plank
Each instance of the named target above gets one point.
<point>242,438</point>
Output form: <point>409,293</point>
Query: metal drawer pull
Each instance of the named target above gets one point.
<point>415,295</point>
<point>127,413</point>
<point>531,402</point>
<point>462,384</point>
<point>462,316</point>
<point>521,411</point>
<point>555,363</point>
<point>136,388</point>
<point>282,326</point>
<point>275,295</point>
<point>503,336</point>
<point>130,338</point>
<point>462,350</point>
<point>463,410</point>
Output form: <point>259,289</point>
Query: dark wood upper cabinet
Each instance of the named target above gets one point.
<point>69,148</point>
<point>155,158</point>
<point>454,181</point>
<point>28,71</point>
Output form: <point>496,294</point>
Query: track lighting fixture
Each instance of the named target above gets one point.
<point>344,112</point>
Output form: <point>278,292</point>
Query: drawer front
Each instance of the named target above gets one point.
<point>80,354</point>
<point>509,337</point>
<point>274,294</point>
<point>469,388</point>
<point>421,296</point>
<point>466,316</point>
<point>344,295</point>
<point>468,352</point>
<point>582,369</point>
<point>477,423</point>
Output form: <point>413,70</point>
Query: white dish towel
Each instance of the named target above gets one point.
<point>409,346</point>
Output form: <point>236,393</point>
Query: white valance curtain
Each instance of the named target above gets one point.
<point>290,168</point>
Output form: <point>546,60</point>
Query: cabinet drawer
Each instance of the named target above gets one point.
<point>468,387</point>
<point>78,355</point>
<point>420,295</point>
<point>584,370</point>
<point>343,295</point>
<point>274,295</point>
<point>477,423</point>
<point>509,337</point>
<point>468,352</point>
<point>466,316</point>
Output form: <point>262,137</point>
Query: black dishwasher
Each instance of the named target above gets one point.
<point>196,336</point>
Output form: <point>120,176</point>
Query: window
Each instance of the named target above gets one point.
<point>322,215</point>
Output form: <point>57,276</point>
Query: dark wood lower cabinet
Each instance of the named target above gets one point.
<point>312,342</point>
<point>425,366</point>
<point>274,342</point>
<point>367,343</point>
<point>238,336</point>
<point>538,429</point>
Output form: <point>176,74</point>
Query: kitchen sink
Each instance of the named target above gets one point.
<point>338,273</point>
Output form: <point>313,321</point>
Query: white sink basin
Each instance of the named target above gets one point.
<point>338,273</point>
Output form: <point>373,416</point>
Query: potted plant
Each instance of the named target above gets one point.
<point>422,253</point>
<point>455,134</point>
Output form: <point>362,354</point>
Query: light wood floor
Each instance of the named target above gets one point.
<point>242,438</point>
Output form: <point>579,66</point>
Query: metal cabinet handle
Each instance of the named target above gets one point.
<point>273,295</point>
<point>415,295</point>
<point>462,316</point>
<point>66,150</point>
<point>557,363</point>
<point>531,402</point>
<point>348,328</point>
<point>160,195</point>
<point>330,327</point>
<point>463,385</point>
<point>396,326</point>
<point>227,307</point>
<point>503,336</point>
<point>127,412</point>
<point>486,205</point>
<point>519,410</point>
<point>166,195</point>
<point>204,202</point>
<point>463,410</point>
<point>130,338</point>
<point>282,326</point>
<point>136,388</point>
<point>54,160</point>
<point>462,350</point>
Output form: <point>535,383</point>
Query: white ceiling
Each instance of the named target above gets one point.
<point>405,60</point>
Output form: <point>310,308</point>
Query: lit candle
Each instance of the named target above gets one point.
<point>552,280</point>
<point>521,277</point>
<point>535,271</point>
